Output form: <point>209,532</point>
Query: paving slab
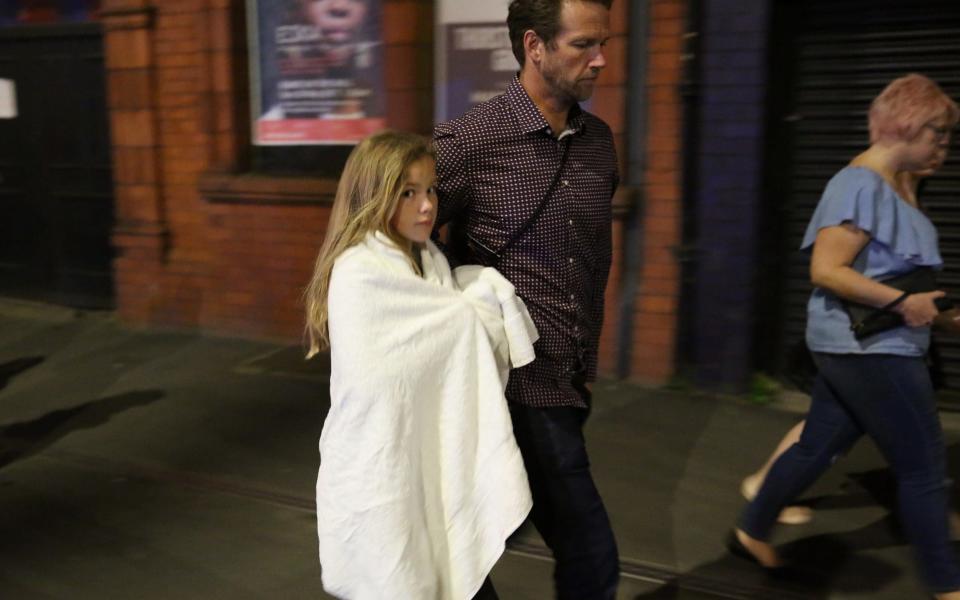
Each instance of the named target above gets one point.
<point>157,464</point>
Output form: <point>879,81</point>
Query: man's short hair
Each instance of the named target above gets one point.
<point>542,16</point>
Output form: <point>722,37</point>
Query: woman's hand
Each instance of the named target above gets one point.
<point>918,310</point>
<point>948,321</point>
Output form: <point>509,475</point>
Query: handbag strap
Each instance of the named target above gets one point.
<point>895,301</point>
<point>879,311</point>
<point>533,217</point>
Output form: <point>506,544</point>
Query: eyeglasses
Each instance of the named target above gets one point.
<point>940,133</point>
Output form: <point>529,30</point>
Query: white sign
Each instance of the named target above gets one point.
<point>8,99</point>
<point>472,11</point>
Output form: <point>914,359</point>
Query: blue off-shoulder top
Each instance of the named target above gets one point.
<point>902,238</point>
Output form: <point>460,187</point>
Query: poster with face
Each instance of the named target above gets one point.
<point>316,71</point>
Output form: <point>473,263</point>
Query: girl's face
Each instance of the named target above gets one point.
<point>339,20</point>
<point>417,208</point>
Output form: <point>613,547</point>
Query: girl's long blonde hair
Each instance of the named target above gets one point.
<point>367,196</point>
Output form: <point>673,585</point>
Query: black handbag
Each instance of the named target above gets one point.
<point>867,320</point>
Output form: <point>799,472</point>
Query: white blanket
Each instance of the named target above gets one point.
<point>420,480</point>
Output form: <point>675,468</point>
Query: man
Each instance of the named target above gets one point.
<point>525,183</point>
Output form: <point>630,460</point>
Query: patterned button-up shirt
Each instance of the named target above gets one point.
<point>494,166</point>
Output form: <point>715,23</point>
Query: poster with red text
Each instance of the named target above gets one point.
<point>316,71</point>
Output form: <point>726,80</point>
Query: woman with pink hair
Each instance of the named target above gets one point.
<point>868,229</point>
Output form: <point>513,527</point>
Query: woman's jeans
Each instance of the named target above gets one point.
<point>889,398</point>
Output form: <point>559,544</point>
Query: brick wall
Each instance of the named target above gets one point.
<point>609,103</point>
<point>205,245</point>
<point>732,113</point>
<point>202,245</point>
<point>652,355</point>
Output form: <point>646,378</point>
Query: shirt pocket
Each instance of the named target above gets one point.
<point>591,205</point>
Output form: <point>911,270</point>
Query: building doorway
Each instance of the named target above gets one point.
<point>56,184</point>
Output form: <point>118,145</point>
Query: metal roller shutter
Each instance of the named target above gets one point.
<point>839,56</point>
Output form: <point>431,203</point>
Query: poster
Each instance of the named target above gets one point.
<point>316,71</point>
<point>474,59</point>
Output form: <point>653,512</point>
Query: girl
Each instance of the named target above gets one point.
<point>420,480</point>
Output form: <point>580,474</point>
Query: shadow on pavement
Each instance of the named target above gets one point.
<point>821,566</point>
<point>12,368</point>
<point>20,440</point>
<point>878,487</point>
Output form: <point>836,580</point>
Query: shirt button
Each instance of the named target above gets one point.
<point>566,182</point>
<point>572,296</point>
<point>570,260</point>
<point>570,222</point>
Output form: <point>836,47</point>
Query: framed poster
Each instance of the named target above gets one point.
<point>316,71</point>
<point>474,59</point>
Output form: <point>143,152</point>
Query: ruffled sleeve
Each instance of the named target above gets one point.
<point>861,196</point>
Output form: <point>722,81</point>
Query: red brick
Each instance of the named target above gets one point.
<point>134,165</point>
<point>609,104</point>
<point>221,66</point>
<point>410,110</point>
<point>615,73</point>
<point>129,89</point>
<point>665,43</point>
<point>666,26</point>
<point>220,30</point>
<point>184,59</point>
<point>407,21</point>
<point>127,49</point>
<point>407,66</point>
<point>666,10</point>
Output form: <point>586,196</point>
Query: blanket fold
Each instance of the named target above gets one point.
<point>420,480</point>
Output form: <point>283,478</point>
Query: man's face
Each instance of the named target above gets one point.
<point>339,20</point>
<point>572,61</point>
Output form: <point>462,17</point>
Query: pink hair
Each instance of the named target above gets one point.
<point>906,105</point>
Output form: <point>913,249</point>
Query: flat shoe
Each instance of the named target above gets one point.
<point>736,548</point>
<point>790,515</point>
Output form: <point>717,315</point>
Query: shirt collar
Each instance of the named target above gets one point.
<point>529,116</point>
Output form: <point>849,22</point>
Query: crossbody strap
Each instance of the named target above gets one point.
<point>533,217</point>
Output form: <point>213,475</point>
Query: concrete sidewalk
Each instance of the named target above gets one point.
<point>141,464</point>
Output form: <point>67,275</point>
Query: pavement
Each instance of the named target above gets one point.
<point>141,464</point>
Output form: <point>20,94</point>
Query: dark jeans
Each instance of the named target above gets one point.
<point>567,509</point>
<point>890,398</point>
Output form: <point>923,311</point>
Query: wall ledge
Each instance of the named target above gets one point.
<point>257,188</point>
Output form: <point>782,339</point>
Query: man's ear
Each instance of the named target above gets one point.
<point>532,46</point>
